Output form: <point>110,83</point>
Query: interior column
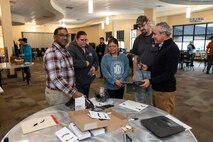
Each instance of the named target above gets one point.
<point>6,24</point>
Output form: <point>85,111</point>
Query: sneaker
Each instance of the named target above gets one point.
<point>207,72</point>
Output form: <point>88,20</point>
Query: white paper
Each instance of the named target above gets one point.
<point>96,103</point>
<point>80,103</point>
<point>37,124</point>
<point>65,135</point>
<point>96,132</point>
<point>187,127</point>
<point>81,135</point>
<point>98,115</point>
<point>133,105</point>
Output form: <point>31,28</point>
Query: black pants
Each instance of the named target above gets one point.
<point>210,61</point>
<point>118,94</point>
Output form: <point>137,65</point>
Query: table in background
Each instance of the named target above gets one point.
<point>8,65</point>
<point>140,134</point>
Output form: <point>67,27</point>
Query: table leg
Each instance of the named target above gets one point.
<point>0,78</point>
<point>22,71</point>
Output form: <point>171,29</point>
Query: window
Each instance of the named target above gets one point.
<point>133,37</point>
<point>120,38</point>
<point>178,30</point>
<point>189,30</point>
<point>198,33</point>
<point>108,34</point>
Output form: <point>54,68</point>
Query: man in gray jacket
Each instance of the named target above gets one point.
<point>85,61</point>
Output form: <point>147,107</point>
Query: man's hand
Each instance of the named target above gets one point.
<point>142,66</point>
<point>92,70</point>
<point>77,95</point>
<point>145,83</point>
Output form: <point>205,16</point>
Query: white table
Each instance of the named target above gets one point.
<point>140,134</point>
<point>9,65</point>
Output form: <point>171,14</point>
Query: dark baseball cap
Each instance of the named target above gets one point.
<point>141,19</point>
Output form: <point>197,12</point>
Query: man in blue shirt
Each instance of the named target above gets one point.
<point>26,54</point>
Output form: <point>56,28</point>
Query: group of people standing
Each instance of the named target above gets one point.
<point>70,71</point>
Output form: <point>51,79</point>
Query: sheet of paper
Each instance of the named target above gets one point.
<point>187,127</point>
<point>38,123</point>
<point>133,105</point>
<point>80,103</point>
<point>65,135</point>
<point>81,135</point>
<point>96,132</point>
<point>98,115</point>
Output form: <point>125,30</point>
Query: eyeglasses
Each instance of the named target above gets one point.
<point>141,26</point>
<point>83,40</point>
<point>62,35</point>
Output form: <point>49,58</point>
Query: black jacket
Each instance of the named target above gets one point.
<point>164,67</point>
<point>79,62</point>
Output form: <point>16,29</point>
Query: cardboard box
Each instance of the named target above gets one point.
<point>84,122</point>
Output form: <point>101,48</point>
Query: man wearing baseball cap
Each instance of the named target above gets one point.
<point>209,53</point>
<point>144,51</point>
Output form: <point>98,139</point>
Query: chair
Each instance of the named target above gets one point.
<point>187,60</point>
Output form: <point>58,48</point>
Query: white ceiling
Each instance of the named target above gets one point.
<point>76,11</point>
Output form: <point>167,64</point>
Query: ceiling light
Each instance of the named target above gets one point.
<point>102,25</point>
<point>90,6</point>
<point>188,12</point>
<point>107,20</point>
<point>69,7</point>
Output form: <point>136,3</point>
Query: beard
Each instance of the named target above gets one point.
<point>63,43</point>
<point>144,32</point>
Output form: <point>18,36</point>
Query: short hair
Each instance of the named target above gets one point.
<point>114,40</point>
<point>164,28</point>
<point>101,38</point>
<point>58,29</point>
<point>80,33</point>
<point>141,19</point>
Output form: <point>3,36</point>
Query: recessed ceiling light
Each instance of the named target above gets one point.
<point>69,7</point>
<point>159,5</point>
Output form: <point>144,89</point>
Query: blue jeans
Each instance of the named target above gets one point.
<point>84,90</point>
<point>27,72</point>
<point>144,95</point>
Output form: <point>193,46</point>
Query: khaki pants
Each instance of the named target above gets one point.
<point>164,100</point>
<point>55,97</point>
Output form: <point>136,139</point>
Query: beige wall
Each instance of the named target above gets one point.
<point>92,32</point>
<point>181,19</point>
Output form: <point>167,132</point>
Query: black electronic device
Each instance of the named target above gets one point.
<point>162,126</point>
<point>133,86</point>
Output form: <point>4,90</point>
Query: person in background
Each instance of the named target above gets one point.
<point>85,62</point>
<point>164,68</point>
<point>115,69</point>
<point>16,50</point>
<point>26,54</point>
<point>58,66</point>
<point>209,53</point>
<point>144,51</point>
<point>191,52</point>
<point>100,50</point>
